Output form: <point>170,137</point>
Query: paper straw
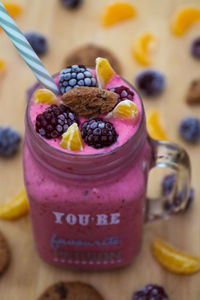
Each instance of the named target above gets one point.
<point>25,50</point>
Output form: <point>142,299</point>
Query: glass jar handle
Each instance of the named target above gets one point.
<point>167,154</point>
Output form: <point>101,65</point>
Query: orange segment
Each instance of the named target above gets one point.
<point>126,109</point>
<point>141,47</point>
<point>72,139</point>
<point>13,9</point>
<point>185,18</point>
<point>117,12</point>
<point>104,71</point>
<point>154,126</point>
<point>174,260</point>
<point>45,96</point>
<point>15,208</point>
<point>2,65</point>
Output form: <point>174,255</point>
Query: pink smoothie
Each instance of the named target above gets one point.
<point>87,208</point>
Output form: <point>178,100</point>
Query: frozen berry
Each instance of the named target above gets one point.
<point>195,48</point>
<point>150,82</point>
<point>98,133</point>
<point>75,76</point>
<point>168,184</point>
<point>190,129</point>
<point>71,3</point>
<point>9,141</point>
<point>55,120</point>
<point>38,42</point>
<point>150,292</point>
<point>122,92</point>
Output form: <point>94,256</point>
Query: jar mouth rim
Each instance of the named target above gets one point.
<point>49,148</point>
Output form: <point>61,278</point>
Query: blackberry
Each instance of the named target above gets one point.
<point>38,42</point>
<point>55,120</point>
<point>98,133</point>
<point>71,3</point>
<point>9,141</point>
<point>195,48</point>
<point>150,82</point>
<point>151,292</point>
<point>75,76</point>
<point>122,92</point>
<point>190,130</point>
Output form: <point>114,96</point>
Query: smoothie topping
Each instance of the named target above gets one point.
<point>55,120</point>
<point>38,42</point>
<point>75,76</point>
<point>126,109</point>
<point>104,72</point>
<point>90,102</point>
<point>123,92</point>
<point>98,133</point>
<point>45,96</point>
<point>72,139</point>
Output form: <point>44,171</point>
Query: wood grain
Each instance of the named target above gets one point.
<point>28,275</point>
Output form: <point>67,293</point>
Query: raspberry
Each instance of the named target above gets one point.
<point>151,292</point>
<point>55,120</point>
<point>150,82</point>
<point>195,48</point>
<point>71,3</point>
<point>9,141</point>
<point>190,130</point>
<point>38,42</point>
<point>98,133</point>
<point>122,92</point>
<point>75,76</point>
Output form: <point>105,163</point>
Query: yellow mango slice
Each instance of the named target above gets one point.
<point>104,72</point>
<point>154,126</point>
<point>184,19</point>
<point>125,109</point>
<point>174,260</point>
<point>15,208</point>
<point>45,96</point>
<point>117,12</point>
<point>72,139</point>
<point>13,8</point>
<point>141,48</point>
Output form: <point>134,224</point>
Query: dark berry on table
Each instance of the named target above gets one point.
<point>122,92</point>
<point>98,133</point>
<point>55,120</point>
<point>75,76</point>
<point>71,3</point>
<point>168,184</point>
<point>150,82</point>
<point>189,130</point>
<point>190,200</point>
<point>151,292</point>
<point>38,42</point>
<point>9,141</point>
<point>195,48</point>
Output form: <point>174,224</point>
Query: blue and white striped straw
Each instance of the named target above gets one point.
<point>25,50</point>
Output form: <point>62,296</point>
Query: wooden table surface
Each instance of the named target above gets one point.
<point>28,275</point>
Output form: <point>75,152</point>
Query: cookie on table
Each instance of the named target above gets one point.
<point>87,54</point>
<point>71,291</point>
<point>4,254</point>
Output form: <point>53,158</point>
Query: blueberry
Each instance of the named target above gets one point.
<point>168,184</point>
<point>195,48</point>
<point>9,141</point>
<point>71,3</point>
<point>38,42</point>
<point>190,129</point>
<point>150,82</point>
<point>151,292</point>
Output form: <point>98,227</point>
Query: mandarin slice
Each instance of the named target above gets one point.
<point>125,109</point>
<point>45,96</point>
<point>174,260</point>
<point>154,127</point>
<point>15,208</point>
<point>184,19</point>
<point>141,48</point>
<point>104,72</point>
<point>117,12</point>
<point>72,139</point>
<point>2,65</point>
<point>13,8</point>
